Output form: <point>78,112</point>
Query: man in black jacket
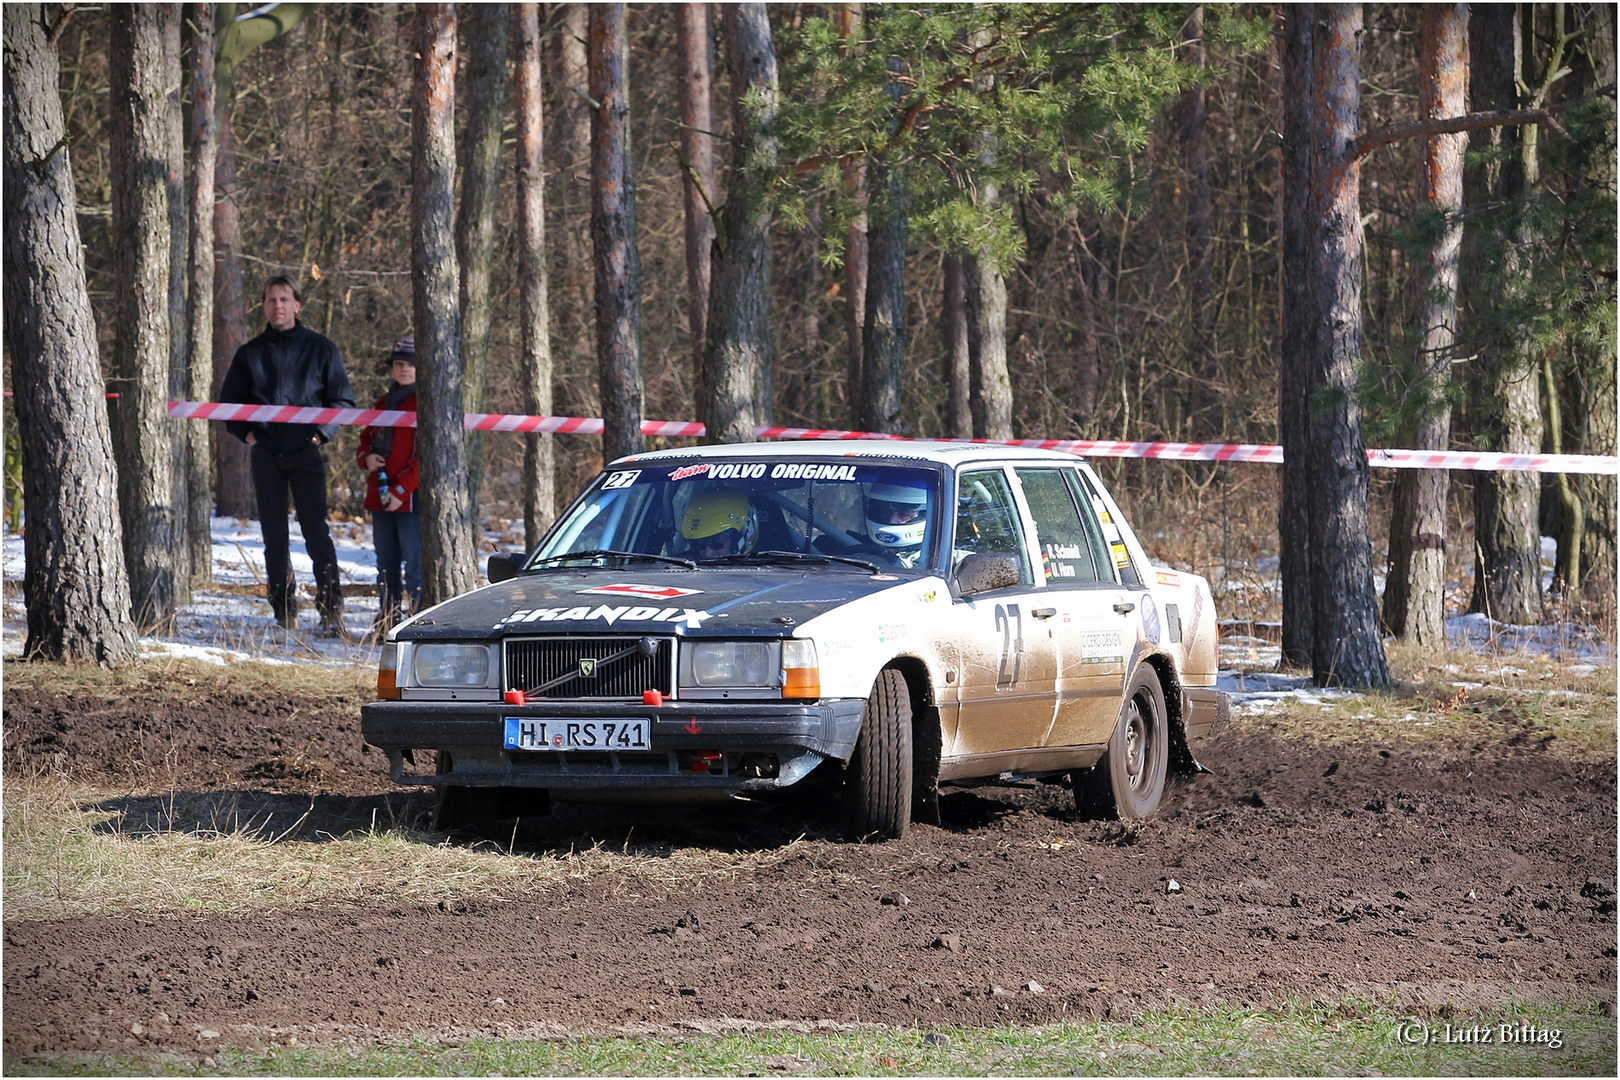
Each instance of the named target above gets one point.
<point>290,364</point>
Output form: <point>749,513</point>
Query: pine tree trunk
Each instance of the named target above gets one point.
<point>613,236</point>
<point>235,36</point>
<point>539,466</point>
<point>737,361</point>
<point>449,551</point>
<point>846,18</point>
<point>74,585</point>
<point>994,385</point>
<point>1507,407</point>
<point>1202,401</point>
<point>1347,644</point>
<point>990,316</point>
<point>486,33</point>
<point>573,288</point>
<point>1414,592</point>
<point>884,334</point>
<point>970,275</point>
<point>179,373</point>
<point>140,225</point>
<point>1297,239</point>
<point>233,479</point>
<point>200,295</point>
<point>958,375</point>
<point>1088,359</point>
<point>698,183</point>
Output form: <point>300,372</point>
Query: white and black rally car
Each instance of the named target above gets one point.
<point>722,620</point>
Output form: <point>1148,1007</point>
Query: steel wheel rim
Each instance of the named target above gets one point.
<point>1138,746</point>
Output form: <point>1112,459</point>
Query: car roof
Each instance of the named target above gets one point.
<point>942,453</point>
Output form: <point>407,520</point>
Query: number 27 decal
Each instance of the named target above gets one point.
<point>620,479</point>
<point>1010,621</point>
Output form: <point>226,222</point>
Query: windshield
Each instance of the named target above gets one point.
<point>738,511</point>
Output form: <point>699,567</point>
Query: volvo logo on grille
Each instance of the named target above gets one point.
<point>587,668</point>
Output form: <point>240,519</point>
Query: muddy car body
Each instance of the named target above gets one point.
<point>723,620</point>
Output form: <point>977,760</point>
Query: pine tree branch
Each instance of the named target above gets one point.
<point>1383,136</point>
<point>1412,129</point>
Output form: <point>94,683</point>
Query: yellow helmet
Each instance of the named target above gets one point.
<point>715,511</point>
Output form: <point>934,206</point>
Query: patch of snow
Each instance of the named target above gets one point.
<point>1556,641</point>
<point>226,623</point>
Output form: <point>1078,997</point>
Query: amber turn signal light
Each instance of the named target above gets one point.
<point>803,683</point>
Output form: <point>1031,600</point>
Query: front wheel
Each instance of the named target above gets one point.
<point>1128,783</point>
<point>877,801</point>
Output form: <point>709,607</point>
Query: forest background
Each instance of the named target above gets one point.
<point>1141,265</point>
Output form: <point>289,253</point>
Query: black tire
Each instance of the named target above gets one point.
<point>462,809</point>
<point>877,799</point>
<point>1128,783</point>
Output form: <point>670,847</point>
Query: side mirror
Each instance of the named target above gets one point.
<point>504,567</point>
<point>985,571</point>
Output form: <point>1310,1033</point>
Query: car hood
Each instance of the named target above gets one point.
<point>730,602</point>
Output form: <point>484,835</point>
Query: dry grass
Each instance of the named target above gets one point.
<point>175,678</point>
<point>67,857</point>
<point>1454,699</point>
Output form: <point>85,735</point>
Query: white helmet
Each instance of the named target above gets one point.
<point>896,515</point>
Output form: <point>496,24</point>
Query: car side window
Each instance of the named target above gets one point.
<point>1111,544</point>
<point>1068,556</point>
<point>987,520</point>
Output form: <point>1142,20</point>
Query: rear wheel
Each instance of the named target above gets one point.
<point>877,801</point>
<point>1128,783</point>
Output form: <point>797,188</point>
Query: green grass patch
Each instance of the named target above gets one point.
<point>1312,1039</point>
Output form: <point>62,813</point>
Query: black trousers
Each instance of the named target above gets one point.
<point>302,472</point>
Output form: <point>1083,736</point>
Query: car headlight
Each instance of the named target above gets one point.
<point>709,664</point>
<point>450,665</point>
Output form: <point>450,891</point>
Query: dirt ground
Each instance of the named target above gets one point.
<point>1469,874</point>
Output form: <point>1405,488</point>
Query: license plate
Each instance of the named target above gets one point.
<point>537,733</point>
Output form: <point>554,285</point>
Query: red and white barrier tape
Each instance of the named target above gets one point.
<point>580,425</point>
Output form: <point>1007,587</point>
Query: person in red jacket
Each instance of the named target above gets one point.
<point>388,454</point>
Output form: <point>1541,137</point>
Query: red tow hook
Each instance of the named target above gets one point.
<point>515,697</point>
<point>701,763</point>
<point>652,698</point>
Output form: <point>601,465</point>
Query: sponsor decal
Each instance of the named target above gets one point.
<point>930,596</point>
<point>1102,648</point>
<point>1150,618</point>
<point>610,615</point>
<point>887,632</point>
<point>885,577</point>
<point>688,470</point>
<point>1190,633</point>
<point>813,471</point>
<point>1165,578</point>
<point>1121,556</point>
<point>646,592</point>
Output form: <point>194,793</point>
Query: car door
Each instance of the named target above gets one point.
<point>1085,607</point>
<point>1007,667</point>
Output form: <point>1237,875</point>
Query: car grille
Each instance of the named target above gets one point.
<point>532,662</point>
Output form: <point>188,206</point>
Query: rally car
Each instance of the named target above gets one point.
<point>725,620</point>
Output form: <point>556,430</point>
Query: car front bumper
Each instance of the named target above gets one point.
<point>777,744</point>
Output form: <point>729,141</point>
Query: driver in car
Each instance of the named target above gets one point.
<point>719,522</point>
<point>896,519</point>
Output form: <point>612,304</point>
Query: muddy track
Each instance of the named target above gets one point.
<point>1302,870</point>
